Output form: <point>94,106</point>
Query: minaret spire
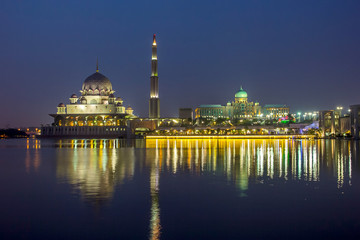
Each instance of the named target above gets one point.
<point>97,65</point>
<point>154,103</point>
<point>154,40</point>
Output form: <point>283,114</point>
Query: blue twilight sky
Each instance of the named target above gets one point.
<point>302,53</point>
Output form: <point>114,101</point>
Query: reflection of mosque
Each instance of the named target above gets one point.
<point>94,173</point>
<point>96,167</point>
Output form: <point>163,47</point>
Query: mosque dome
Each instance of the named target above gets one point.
<point>96,83</point>
<point>241,93</point>
<point>118,99</point>
<point>61,105</point>
<point>83,100</point>
<point>128,108</point>
<point>73,96</point>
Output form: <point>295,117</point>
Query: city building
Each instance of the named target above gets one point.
<point>329,123</point>
<point>345,125</point>
<point>213,111</point>
<point>354,121</point>
<point>96,112</point>
<point>240,108</point>
<point>332,123</point>
<point>154,102</point>
<point>186,113</point>
<point>275,110</point>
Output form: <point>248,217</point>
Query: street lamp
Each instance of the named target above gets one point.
<point>314,114</point>
<point>340,109</point>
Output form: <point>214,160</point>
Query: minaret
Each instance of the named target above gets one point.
<point>154,103</point>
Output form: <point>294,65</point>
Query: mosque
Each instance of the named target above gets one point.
<point>95,112</point>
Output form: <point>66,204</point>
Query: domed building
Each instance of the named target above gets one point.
<point>95,112</point>
<point>237,109</point>
<point>240,95</point>
<point>242,108</point>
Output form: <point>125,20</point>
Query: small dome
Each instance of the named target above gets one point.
<point>128,108</point>
<point>118,99</point>
<point>241,94</point>
<point>83,100</point>
<point>73,96</point>
<point>111,96</point>
<point>96,83</point>
<point>61,105</point>
<point>118,104</point>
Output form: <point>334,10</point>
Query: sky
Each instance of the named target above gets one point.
<point>305,54</point>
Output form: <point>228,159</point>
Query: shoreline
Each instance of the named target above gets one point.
<point>296,136</point>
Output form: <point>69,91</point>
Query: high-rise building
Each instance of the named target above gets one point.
<point>154,102</point>
<point>186,113</point>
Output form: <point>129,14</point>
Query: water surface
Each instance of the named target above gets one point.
<point>179,189</point>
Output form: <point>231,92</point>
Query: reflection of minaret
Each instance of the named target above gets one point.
<point>155,226</point>
<point>154,103</point>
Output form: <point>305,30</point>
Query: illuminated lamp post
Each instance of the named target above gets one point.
<point>340,109</point>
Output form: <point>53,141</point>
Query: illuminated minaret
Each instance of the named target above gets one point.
<point>154,103</point>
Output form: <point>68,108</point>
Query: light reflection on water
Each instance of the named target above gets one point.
<point>95,168</point>
<point>239,160</point>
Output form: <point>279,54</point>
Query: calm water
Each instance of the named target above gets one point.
<point>179,189</point>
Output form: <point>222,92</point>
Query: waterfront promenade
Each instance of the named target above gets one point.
<point>287,136</point>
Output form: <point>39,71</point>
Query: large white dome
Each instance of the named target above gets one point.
<point>97,84</point>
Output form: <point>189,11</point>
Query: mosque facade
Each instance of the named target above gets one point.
<point>96,111</point>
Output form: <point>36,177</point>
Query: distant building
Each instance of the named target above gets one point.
<point>329,122</point>
<point>186,113</point>
<point>240,108</point>
<point>345,125</point>
<point>209,111</point>
<point>275,110</point>
<point>355,121</point>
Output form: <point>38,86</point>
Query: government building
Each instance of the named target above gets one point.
<point>97,111</point>
<point>241,108</point>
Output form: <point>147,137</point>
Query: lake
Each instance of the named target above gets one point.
<point>179,189</point>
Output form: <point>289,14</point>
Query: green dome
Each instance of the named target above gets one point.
<point>241,93</point>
